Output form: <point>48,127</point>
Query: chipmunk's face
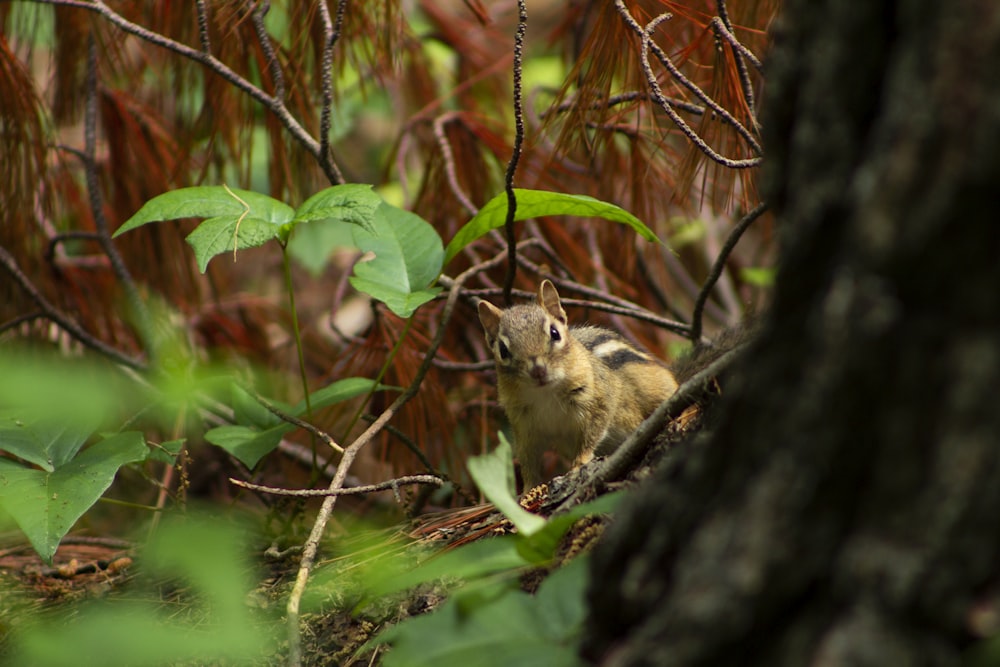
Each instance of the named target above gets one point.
<point>527,341</point>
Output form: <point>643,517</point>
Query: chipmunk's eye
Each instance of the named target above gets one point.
<point>502,349</point>
<point>554,333</point>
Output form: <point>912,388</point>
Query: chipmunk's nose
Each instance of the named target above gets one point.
<point>538,373</point>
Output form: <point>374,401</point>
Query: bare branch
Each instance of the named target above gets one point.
<point>273,104</point>
<point>449,161</point>
<point>52,313</point>
<point>323,517</point>
<point>292,419</point>
<point>331,34</point>
<point>202,9</point>
<point>650,46</point>
<point>393,484</point>
<point>515,156</point>
<point>724,28</point>
<point>273,65</point>
<point>720,264</point>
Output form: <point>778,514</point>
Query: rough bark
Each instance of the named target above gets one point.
<point>846,507</point>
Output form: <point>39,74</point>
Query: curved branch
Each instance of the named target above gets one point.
<point>718,266</point>
<point>393,484</point>
<point>65,322</point>
<point>273,104</point>
<point>515,156</point>
<point>350,452</point>
<point>650,46</point>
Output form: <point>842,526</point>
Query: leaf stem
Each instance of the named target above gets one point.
<point>286,265</point>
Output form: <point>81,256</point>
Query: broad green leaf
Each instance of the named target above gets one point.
<point>494,475</point>
<point>350,202</point>
<point>82,392</point>
<point>470,561</point>
<point>406,260</point>
<point>209,201</point>
<point>559,603</point>
<point>311,244</point>
<point>247,444</point>
<point>47,504</point>
<point>235,218</point>
<point>216,236</point>
<point>341,390</point>
<point>512,629</point>
<point>247,411</point>
<point>37,437</point>
<point>210,624</point>
<point>537,204</point>
<point>540,546</point>
<point>259,432</point>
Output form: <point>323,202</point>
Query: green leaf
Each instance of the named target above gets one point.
<point>259,432</point>
<point>239,218</point>
<point>540,547</point>
<point>210,201</point>
<point>247,410</point>
<point>247,444</point>
<point>494,474</point>
<point>341,390</point>
<point>350,202</point>
<point>537,204</point>
<point>216,236</point>
<point>470,561</point>
<point>312,243</point>
<point>407,258</point>
<point>210,624</point>
<point>38,438</point>
<point>46,504</point>
<point>512,629</point>
<point>166,452</point>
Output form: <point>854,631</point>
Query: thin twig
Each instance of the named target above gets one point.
<point>719,266</point>
<point>273,64</point>
<point>292,419</point>
<point>28,317</point>
<point>515,156</point>
<point>354,490</point>
<point>650,46</point>
<point>72,235</point>
<point>273,104</point>
<point>136,304</point>
<point>202,9</point>
<point>449,161</point>
<point>311,545</point>
<point>661,100</point>
<point>52,313</point>
<point>331,34</point>
<point>725,29</point>
<point>741,54</point>
<point>622,98</point>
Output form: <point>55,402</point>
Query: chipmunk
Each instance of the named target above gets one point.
<point>577,390</point>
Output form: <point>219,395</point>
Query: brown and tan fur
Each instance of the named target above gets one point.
<point>577,390</point>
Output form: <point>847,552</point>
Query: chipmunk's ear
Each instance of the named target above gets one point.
<point>489,317</point>
<point>548,298</point>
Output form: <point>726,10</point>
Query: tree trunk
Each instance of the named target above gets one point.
<point>846,507</point>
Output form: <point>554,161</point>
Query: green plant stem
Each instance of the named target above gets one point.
<point>378,381</point>
<point>286,264</point>
<point>125,503</point>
